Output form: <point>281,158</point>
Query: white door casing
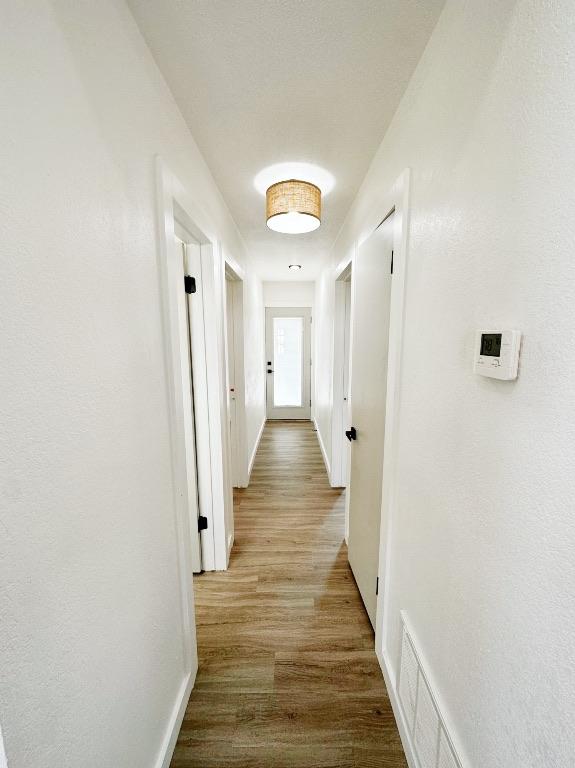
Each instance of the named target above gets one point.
<point>288,362</point>
<point>372,281</point>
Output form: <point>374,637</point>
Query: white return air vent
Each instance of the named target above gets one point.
<point>432,746</point>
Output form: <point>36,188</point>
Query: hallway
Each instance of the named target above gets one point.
<point>288,675</point>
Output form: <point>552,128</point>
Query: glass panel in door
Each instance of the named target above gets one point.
<point>288,361</point>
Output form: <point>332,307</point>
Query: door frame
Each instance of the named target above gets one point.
<point>339,476</point>
<point>234,277</point>
<point>176,206</point>
<point>306,313</point>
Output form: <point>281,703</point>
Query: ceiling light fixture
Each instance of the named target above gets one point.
<point>293,207</point>
<point>294,170</point>
<point>294,266</point>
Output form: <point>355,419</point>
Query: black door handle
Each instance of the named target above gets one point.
<point>351,434</point>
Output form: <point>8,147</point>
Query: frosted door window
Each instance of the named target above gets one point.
<point>288,368</point>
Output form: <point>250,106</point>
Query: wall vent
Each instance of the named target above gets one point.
<point>431,742</point>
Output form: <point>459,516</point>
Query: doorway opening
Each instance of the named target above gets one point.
<point>288,362</point>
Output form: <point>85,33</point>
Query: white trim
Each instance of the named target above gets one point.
<point>175,723</point>
<point>233,269</point>
<point>255,449</point>
<point>398,202</point>
<point>424,670</point>
<point>402,727</point>
<point>323,451</point>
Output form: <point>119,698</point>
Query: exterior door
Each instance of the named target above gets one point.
<point>288,362</point>
<point>368,388</point>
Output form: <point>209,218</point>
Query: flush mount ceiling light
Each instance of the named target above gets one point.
<point>294,266</point>
<point>293,207</point>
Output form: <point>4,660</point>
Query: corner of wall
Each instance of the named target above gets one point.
<point>255,449</point>
<point>323,450</point>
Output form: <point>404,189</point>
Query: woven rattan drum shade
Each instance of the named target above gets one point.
<point>293,206</point>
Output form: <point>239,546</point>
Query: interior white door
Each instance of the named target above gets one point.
<point>191,451</point>
<point>372,276</point>
<point>288,362</point>
<point>232,403</point>
<point>346,379</point>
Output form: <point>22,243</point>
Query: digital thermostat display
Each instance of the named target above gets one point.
<point>497,354</point>
<point>491,344</point>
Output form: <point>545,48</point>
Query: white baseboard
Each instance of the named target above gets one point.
<point>404,734</point>
<point>255,450</point>
<point>323,451</point>
<point>175,722</point>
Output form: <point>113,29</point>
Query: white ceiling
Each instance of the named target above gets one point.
<point>261,82</point>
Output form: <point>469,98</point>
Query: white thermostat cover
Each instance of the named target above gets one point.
<point>497,354</point>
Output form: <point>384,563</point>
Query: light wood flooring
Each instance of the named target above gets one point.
<point>288,676</point>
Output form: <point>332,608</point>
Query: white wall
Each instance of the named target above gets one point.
<point>483,529</point>
<point>323,341</point>
<point>289,293</point>
<point>91,647</point>
<point>254,351</point>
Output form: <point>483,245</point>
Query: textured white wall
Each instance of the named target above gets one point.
<point>254,351</point>
<point>91,642</point>
<point>323,339</point>
<point>484,530</point>
<point>289,293</point>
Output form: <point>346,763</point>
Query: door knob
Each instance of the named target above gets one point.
<point>351,434</point>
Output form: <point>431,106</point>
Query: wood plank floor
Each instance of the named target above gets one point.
<point>288,677</point>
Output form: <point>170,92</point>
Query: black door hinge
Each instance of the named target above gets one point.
<point>190,284</point>
<point>377,585</point>
<point>351,434</point>
<point>392,262</point>
<point>202,523</point>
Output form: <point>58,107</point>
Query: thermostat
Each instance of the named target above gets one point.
<point>497,354</point>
